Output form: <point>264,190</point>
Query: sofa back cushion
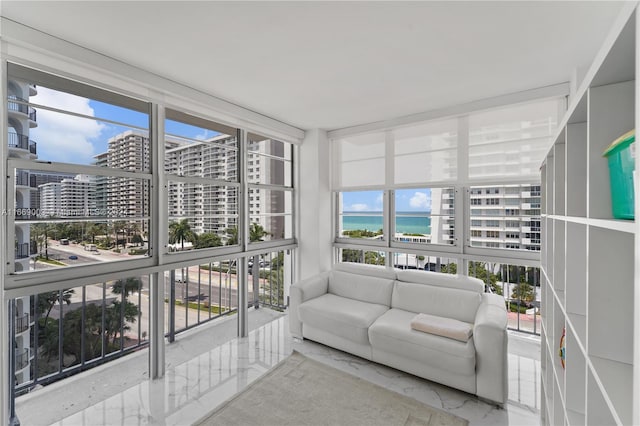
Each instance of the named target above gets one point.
<point>444,302</point>
<point>365,288</point>
<point>364,269</point>
<point>441,280</point>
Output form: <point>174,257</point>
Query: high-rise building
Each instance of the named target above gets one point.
<point>21,118</point>
<point>210,208</point>
<point>101,185</point>
<point>505,216</point>
<point>50,199</point>
<point>39,178</point>
<point>128,198</point>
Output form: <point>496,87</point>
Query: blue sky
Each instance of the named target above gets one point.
<point>407,200</point>
<point>70,139</point>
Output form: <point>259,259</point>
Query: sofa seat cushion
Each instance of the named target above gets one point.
<point>347,318</point>
<point>392,333</point>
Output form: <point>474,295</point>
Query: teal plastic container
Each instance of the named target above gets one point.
<point>622,166</point>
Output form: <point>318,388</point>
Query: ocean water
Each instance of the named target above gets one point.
<point>406,223</point>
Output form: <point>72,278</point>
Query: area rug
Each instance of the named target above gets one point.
<point>300,391</point>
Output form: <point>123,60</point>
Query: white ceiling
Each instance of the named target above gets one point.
<point>329,64</point>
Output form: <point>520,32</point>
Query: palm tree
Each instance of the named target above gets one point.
<point>132,229</point>
<point>180,232</point>
<point>120,226</point>
<point>46,301</point>
<point>92,230</point>
<point>257,233</point>
<point>232,236</point>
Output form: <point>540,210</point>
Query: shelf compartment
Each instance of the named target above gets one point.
<point>611,114</point>
<point>579,324</point>
<point>550,186</point>
<point>610,290</point>
<point>559,324</point>
<point>559,156</point>
<point>549,253</point>
<point>617,380</point>
<point>576,275</point>
<point>598,412</point>
<point>576,169</point>
<point>575,371</point>
<point>559,260</point>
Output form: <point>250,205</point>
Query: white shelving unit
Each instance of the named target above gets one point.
<point>590,288</point>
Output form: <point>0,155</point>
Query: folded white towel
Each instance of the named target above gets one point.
<point>446,327</point>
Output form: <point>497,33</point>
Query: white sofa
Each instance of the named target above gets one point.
<point>367,311</point>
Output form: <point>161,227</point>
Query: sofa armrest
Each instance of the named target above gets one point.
<point>299,293</point>
<point>490,338</point>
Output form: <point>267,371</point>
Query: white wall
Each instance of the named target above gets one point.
<point>314,214</point>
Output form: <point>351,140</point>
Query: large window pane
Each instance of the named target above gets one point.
<point>425,263</point>
<point>201,215</point>
<point>425,216</point>
<point>270,227</point>
<point>80,326</point>
<point>368,257</point>
<point>77,129</point>
<point>505,217</point>
<point>360,214</point>
<point>268,161</point>
<point>201,149</point>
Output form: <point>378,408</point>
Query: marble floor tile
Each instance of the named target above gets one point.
<point>201,376</point>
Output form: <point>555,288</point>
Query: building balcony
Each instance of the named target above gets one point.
<point>24,179</point>
<point>19,141</point>
<point>22,359</point>
<point>16,105</point>
<point>22,323</point>
<point>23,250</point>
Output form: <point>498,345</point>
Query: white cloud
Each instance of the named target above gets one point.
<point>420,200</point>
<point>359,207</point>
<point>62,137</point>
<point>207,134</point>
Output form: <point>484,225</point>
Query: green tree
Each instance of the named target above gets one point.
<point>179,232</point>
<point>352,255</point>
<point>114,325</point>
<point>208,239</point>
<point>232,236</point>
<point>48,337</point>
<point>361,233</point>
<point>93,332</point>
<point>373,258</point>
<point>137,239</point>
<point>120,227</point>
<point>257,233</point>
<point>46,301</point>
<point>449,268</point>
<point>479,270</point>
<point>114,316</point>
<point>127,286</point>
<point>523,292</point>
<point>92,230</point>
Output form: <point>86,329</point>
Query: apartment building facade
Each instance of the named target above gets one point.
<point>505,216</point>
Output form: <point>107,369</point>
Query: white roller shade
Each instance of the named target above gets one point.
<point>511,142</point>
<point>426,152</point>
<point>361,160</point>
